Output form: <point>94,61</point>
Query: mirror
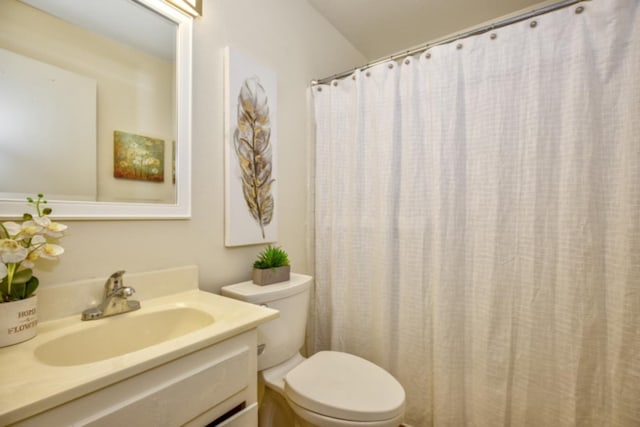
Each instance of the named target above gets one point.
<point>95,102</point>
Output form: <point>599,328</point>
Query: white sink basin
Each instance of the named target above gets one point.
<point>116,336</point>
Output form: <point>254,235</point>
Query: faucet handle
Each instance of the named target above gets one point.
<point>114,282</point>
<point>118,274</point>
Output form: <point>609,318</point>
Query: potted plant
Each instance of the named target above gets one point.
<point>272,266</point>
<point>21,245</point>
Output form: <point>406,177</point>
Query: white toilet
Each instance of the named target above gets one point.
<point>329,388</point>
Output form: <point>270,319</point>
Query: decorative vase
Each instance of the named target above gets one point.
<point>268,276</point>
<point>18,321</point>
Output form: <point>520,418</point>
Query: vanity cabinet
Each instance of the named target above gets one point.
<point>215,385</point>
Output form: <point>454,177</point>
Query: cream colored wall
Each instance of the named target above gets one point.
<point>295,41</point>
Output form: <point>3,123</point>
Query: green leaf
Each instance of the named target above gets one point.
<point>31,286</point>
<point>4,287</point>
<point>21,277</point>
<point>23,286</point>
<point>17,291</point>
<point>22,280</point>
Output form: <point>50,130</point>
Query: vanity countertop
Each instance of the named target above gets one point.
<point>30,386</point>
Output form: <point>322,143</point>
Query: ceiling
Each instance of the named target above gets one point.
<point>379,28</point>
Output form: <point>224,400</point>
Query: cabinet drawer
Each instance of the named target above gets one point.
<point>247,418</point>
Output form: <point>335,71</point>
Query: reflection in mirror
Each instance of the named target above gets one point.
<point>94,106</point>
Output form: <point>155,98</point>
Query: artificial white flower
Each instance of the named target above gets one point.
<point>52,229</point>
<point>21,245</point>
<point>13,228</point>
<point>11,251</point>
<point>26,230</point>
<point>42,249</point>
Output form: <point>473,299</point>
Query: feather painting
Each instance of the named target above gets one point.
<point>252,142</point>
<point>251,151</point>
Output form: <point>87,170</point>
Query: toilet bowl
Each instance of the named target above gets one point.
<point>339,389</point>
<point>328,389</point>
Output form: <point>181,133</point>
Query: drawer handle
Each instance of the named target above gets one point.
<point>229,414</point>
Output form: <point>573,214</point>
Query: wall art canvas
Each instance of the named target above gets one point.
<point>251,204</point>
<point>138,157</point>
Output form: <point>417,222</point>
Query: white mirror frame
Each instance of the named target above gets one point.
<point>62,209</point>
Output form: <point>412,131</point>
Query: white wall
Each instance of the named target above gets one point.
<point>287,36</point>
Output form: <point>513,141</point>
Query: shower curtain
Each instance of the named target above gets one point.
<point>477,222</point>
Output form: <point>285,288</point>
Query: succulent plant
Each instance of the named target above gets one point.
<point>271,257</point>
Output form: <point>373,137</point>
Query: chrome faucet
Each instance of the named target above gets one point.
<point>115,299</point>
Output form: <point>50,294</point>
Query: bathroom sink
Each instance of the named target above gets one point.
<point>119,335</point>
<point>70,359</point>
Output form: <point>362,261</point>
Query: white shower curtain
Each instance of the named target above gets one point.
<point>477,222</point>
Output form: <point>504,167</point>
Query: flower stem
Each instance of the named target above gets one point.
<point>11,269</point>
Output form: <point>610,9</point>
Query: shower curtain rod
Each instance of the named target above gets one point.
<point>453,38</point>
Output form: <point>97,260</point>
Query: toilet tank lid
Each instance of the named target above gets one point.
<point>260,294</point>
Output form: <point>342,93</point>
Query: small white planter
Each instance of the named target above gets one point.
<point>18,321</point>
<point>268,276</point>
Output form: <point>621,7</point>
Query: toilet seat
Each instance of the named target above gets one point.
<point>343,386</point>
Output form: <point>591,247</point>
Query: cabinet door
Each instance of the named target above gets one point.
<point>210,381</point>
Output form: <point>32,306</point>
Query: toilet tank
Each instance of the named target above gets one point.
<point>282,337</point>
